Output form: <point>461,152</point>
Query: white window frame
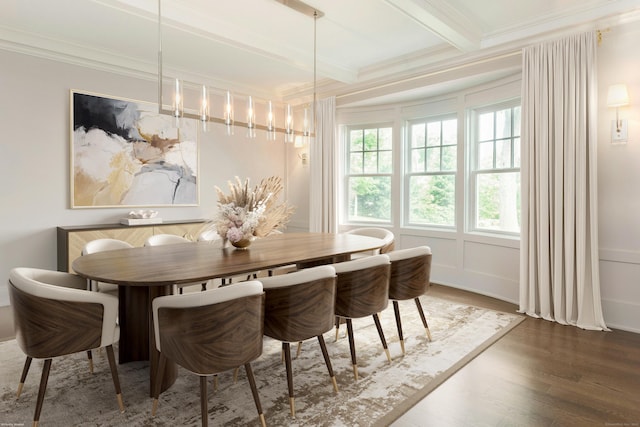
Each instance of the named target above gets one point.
<point>347,175</point>
<point>408,174</point>
<point>473,172</point>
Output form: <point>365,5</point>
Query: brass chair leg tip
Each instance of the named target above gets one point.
<point>402,347</point>
<point>355,372</point>
<point>428,334</point>
<point>154,407</point>
<point>120,403</point>
<point>262,421</point>
<point>19,392</point>
<point>292,407</point>
<point>386,350</point>
<point>335,384</point>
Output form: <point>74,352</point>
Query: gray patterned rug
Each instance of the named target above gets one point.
<point>383,392</point>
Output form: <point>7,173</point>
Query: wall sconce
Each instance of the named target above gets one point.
<point>618,97</point>
<point>304,158</point>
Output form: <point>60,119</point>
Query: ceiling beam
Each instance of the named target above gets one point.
<point>439,17</point>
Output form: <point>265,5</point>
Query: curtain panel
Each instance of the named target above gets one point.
<point>323,214</point>
<point>559,274</point>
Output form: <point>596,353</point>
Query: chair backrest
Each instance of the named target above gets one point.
<point>410,272</point>
<point>383,234</point>
<point>362,286</point>
<point>165,239</point>
<point>300,305</point>
<point>101,245</point>
<point>211,331</point>
<point>55,315</point>
<point>210,235</point>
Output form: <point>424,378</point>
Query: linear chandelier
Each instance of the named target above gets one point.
<point>228,117</point>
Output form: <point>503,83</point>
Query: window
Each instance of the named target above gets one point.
<point>368,176</point>
<point>431,171</point>
<point>495,169</point>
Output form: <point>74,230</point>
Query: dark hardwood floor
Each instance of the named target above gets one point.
<point>539,374</point>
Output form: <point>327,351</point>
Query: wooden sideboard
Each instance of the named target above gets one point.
<point>72,239</point>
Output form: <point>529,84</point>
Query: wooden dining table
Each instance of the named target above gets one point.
<point>144,273</point>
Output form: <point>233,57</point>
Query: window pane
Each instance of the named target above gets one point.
<point>516,121</point>
<point>417,135</point>
<point>385,139</point>
<point>485,155</point>
<point>503,153</point>
<point>355,140</point>
<point>433,159</point>
<point>432,200</point>
<point>370,198</point>
<point>485,127</point>
<point>417,160</point>
<point>498,200</point>
<point>370,139</point>
<point>433,134</point>
<point>450,132</point>
<point>355,163</point>
<point>503,123</point>
<point>516,153</point>
<point>449,158</point>
<point>385,160</point>
<point>370,162</point>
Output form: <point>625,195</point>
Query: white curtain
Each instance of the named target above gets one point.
<point>322,158</point>
<point>559,274</point>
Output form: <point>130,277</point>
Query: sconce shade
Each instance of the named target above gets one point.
<point>617,95</point>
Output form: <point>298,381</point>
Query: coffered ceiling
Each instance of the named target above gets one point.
<point>365,49</point>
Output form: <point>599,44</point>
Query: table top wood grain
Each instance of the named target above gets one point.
<point>200,261</point>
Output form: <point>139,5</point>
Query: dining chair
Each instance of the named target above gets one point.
<point>410,274</point>
<point>101,245</point>
<point>383,234</point>
<point>173,239</point>
<point>362,289</point>
<point>210,332</point>
<point>55,315</point>
<point>300,306</point>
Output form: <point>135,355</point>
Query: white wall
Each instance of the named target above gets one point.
<point>34,159</point>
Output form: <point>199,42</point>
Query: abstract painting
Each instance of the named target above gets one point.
<point>123,153</point>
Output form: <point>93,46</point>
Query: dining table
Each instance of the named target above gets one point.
<point>144,273</point>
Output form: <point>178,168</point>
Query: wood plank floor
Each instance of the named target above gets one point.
<point>539,374</point>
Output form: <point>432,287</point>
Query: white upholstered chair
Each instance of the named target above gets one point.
<point>383,234</point>
<point>55,315</point>
<point>173,239</point>
<point>101,245</point>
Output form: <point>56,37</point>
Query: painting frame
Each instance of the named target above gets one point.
<point>123,153</point>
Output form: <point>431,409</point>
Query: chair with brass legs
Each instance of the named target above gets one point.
<point>210,332</point>
<point>300,306</point>
<point>172,239</point>
<point>101,245</point>
<point>362,289</point>
<point>387,240</point>
<point>55,315</point>
<point>410,274</point>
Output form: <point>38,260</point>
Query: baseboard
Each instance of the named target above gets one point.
<point>621,315</point>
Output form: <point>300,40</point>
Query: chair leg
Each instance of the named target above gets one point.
<point>299,349</point>
<point>203,401</point>
<point>159,374</point>
<point>43,387</point>
<point>424,319</point>
<point>90,358</point>
<point>254,391</point>
<point>396,310</point>
<point>352,348</point>
<point>287,361</point>
<point>23,377</point>
<point>235,374</point>
<point>327,361</point>
<point>376,319</point>
<point>337,327</point>
<point>114,375</point>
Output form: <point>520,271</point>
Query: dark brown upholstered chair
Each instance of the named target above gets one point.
<point>55,315</point>
<point>300,306</point>
<point>410,273</point>
<point>210,332</point>
<point>362,290</point>
<point>383,234</point>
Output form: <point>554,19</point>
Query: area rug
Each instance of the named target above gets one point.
<point>383,392</point>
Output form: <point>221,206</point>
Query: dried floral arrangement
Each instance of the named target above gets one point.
<point>245,213</point>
